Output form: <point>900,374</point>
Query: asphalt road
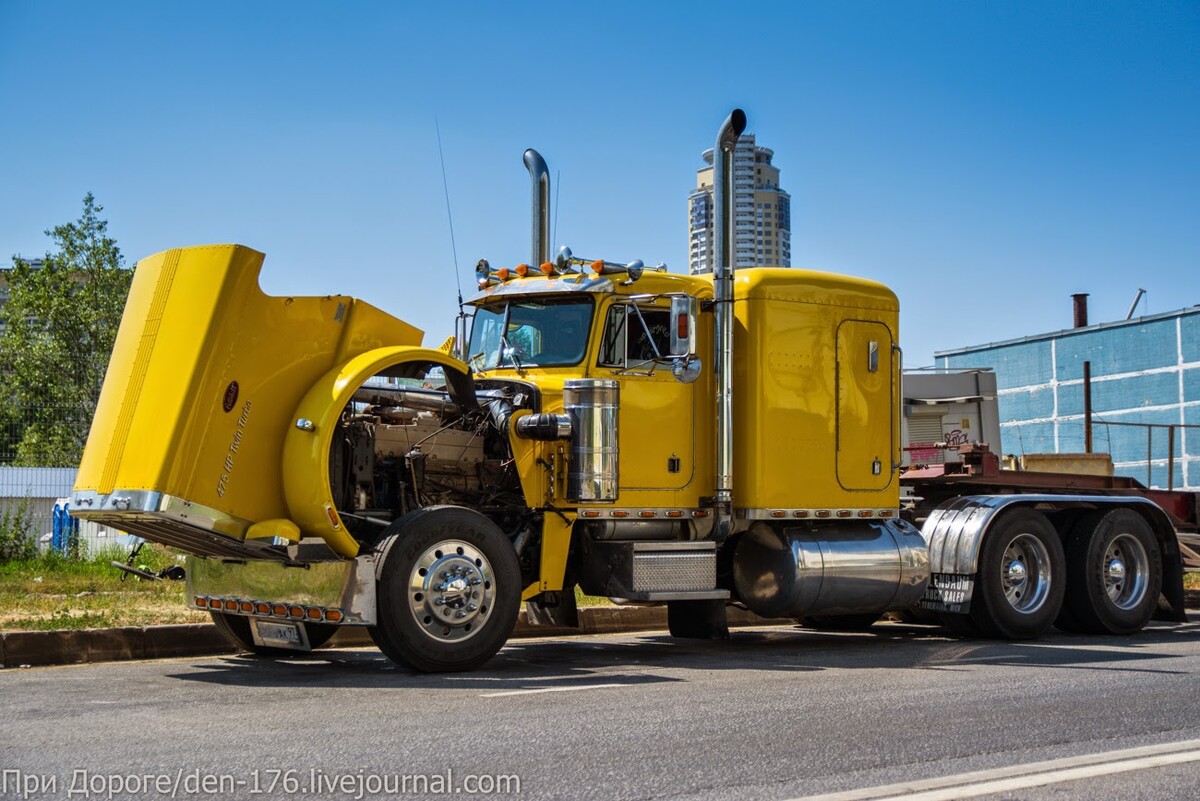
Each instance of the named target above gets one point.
<point>776,714</point>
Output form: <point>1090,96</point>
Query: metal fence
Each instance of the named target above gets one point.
<point>1160,455</point>
<point>1155,453</point>
<point>34,500</point>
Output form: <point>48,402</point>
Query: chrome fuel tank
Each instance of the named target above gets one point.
<point>839,568</point>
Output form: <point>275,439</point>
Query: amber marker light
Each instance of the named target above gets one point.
<point>589,513</point>
<point>313,613</point>
<point>823,513</point>
<point>247,606</point>
<point>521,270</point>
<point>279,610</point>
<point>800,513</point>
<point>231,606</point>
<point>548,267</point>
<point>502,274</point>
<point>262,609</point>
<point>674,513</point>
<point>296,611</point>
<point>887,512</point>
<point>778,513</point>
<point>620,514</point>
<point>597,266</point>
<point>333,615</point>
<point>201,602</point>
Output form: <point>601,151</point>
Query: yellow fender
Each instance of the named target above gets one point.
<point>306,447</point>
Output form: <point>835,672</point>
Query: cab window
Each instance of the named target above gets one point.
<point>634,335</point>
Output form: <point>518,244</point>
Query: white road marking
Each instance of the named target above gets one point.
<point>1017,777</point>
<point>553,690</point>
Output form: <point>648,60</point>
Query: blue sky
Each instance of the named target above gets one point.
<point>985,160</point>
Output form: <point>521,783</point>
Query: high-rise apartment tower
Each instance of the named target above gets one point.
<point>762,212</point>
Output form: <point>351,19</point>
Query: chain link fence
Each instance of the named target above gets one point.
<point>34,485</point>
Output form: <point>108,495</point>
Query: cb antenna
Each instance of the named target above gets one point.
<point>460,323</point>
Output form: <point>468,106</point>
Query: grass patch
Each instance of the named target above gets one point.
<point>50,592</point>
<point>1191,581</point>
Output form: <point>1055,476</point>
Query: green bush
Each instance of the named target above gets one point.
<point>16,533</point>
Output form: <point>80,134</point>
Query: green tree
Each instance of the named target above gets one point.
<point>61,322</point>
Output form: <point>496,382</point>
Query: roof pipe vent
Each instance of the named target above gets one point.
<point>1136,300</point>
<point>1080,299</point>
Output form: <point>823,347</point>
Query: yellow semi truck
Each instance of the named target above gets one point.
<point>689,440</point>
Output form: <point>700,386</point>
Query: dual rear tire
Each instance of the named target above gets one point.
<point>1105,579</point>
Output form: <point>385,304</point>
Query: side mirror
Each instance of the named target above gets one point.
<point>684,313</point>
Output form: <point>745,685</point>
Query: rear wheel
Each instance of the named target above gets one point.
<point>1021,580</point>
<point>1114,574</point>
<point>237,630</point>
<point>449,590</point>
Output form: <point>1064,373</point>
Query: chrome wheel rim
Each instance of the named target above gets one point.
<point>1025,573</point>
<point>1126,571</point>
<point>451,591</point>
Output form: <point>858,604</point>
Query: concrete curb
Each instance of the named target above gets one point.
<point>38,648</point>
<point>72,647</point>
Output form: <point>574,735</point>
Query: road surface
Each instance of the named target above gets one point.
<point>778,713</point>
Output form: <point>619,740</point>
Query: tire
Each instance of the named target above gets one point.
<point>237,630</point>
<point>449,590</point>
<point>1114,573</point>
<point>860,622</point>
<point>1083,527</point>
<point>1022,577</point>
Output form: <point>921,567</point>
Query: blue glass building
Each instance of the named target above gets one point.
<point>1144,371</point>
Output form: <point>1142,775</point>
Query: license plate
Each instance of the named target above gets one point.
<point>278,635</point>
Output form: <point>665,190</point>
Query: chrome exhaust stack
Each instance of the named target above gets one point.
<point>723,267</point>
<point>540,177</point>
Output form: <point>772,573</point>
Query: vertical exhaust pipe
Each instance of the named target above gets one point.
<point>540,177</point>
<point>725,261</point>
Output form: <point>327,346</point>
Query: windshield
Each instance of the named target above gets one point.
<point>530,332</point>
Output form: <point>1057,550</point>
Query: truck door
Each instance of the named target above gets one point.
<point>656,448</point>
<point>865,405</point>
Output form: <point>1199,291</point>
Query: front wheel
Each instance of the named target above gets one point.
<point>449,590</point>
<point>1021,580</point>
